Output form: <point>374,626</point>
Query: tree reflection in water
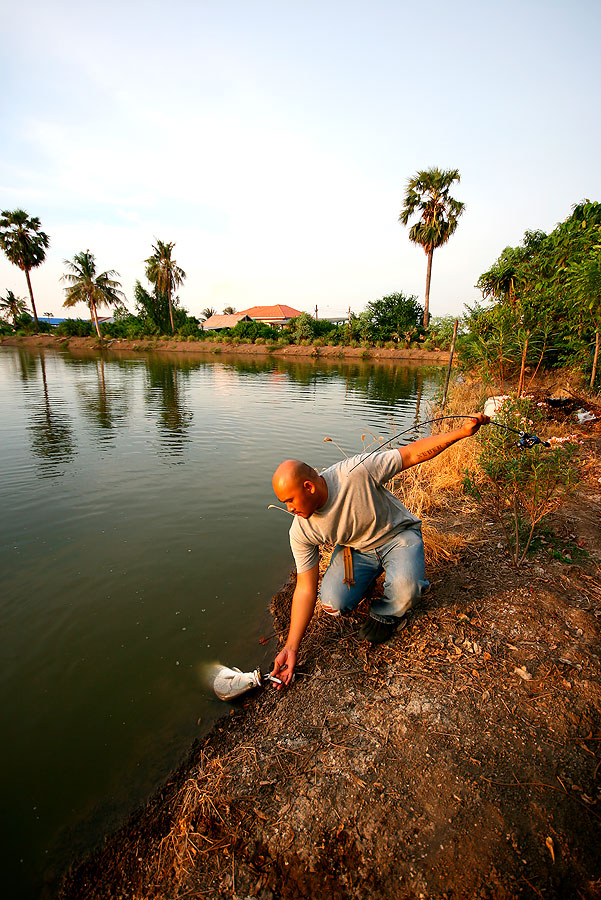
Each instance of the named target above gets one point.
<point>52,439</point>
<point>103,402</point>
<point>27,365</point>
<point>167,384</point>
<point>380,382</point>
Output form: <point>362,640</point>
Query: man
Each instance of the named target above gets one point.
<point>373,532</point>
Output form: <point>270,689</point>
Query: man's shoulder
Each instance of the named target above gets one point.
<point>364,463</point>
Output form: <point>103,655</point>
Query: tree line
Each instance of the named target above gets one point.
<point>25,245</point>
<point>541,300</point>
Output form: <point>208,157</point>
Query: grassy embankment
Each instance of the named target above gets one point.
<point>212,347</point>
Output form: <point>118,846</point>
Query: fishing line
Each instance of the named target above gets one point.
<point>526,440</point>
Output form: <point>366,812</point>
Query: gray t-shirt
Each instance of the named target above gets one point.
<point>359,511</point>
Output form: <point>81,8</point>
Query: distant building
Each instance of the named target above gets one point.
<point>215,322</point>
<point>280,314</point>
<point>52,320</point>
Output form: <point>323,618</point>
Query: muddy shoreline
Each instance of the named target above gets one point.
<point>461,760</point>
<point>200,348</point>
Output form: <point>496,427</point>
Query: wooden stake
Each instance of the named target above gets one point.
<point>595,358</point>
<point>446,384</point>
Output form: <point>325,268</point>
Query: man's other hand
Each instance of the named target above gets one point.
<point>283,667</point>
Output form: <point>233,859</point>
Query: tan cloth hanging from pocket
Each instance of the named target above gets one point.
<point>347,557</point>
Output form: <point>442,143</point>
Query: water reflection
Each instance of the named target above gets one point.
<point>102,403</point>
<point>103,385</point>
<point>27,365</point>
<point>166,397</point>
<point>381,382</point>
<point>51,429</point>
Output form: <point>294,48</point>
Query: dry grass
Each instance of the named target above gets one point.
<point>202,820</point>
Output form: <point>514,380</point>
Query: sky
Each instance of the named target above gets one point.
<point>272,141</point>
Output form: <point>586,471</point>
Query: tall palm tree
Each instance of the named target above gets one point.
<point>427,194</point>
<point>85,286</point>
<point>24,244</point>
<point>163,271</point>
<point>13,306</point>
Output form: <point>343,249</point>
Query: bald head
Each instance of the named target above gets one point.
<point>292,473</point>
<point>300,487</point>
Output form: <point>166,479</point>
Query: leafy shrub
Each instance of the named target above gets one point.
<point>254,330</point>
<point>390,317</point>
<point>440,332</point>
<point>75,328</point>
<point>518,488</point>
<point>189,327</point>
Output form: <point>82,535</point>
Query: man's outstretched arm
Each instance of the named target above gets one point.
<point>303,604</point>
<point>428,448</point>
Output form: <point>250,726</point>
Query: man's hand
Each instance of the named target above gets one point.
<point>283,667</point>
<point>474,423</point>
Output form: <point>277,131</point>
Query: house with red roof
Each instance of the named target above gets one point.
<point>280,314</point>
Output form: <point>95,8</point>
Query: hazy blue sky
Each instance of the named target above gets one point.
<point>272,140</point>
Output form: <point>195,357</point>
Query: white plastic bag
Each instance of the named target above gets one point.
<point>230,683</point>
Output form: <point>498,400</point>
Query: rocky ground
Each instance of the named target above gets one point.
<point>461,760</point>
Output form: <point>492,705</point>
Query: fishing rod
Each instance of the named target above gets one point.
<point>526,440</point>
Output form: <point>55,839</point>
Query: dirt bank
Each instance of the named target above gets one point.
<point>432,357</point>
<point>461,760</point>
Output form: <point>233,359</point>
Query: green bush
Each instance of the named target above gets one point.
<point>254,330</point>
<point>518,488</point>
<point>440,332</point>
<point>75,328</point>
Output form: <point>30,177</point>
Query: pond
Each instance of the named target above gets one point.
<point>136,545</point>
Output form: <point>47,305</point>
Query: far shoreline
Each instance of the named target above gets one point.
<point>206,348</point>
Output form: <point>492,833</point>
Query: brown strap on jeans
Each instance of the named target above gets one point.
<point>347,556</point>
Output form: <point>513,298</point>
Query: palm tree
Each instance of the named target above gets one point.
<point>163,271</point>
<point>427,194</point>
<point>208,312</point>
<point>13,306</point>
<point>85,286</point>
<point>229,311</point>
<point>24,244</point>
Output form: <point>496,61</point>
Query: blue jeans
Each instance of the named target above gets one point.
<point>401,558</point>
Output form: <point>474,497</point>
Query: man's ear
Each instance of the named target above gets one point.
<point>309,487</point>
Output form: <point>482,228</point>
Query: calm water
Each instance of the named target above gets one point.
<point>135,544</point>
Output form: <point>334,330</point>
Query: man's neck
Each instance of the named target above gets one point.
<point>323,492</point>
